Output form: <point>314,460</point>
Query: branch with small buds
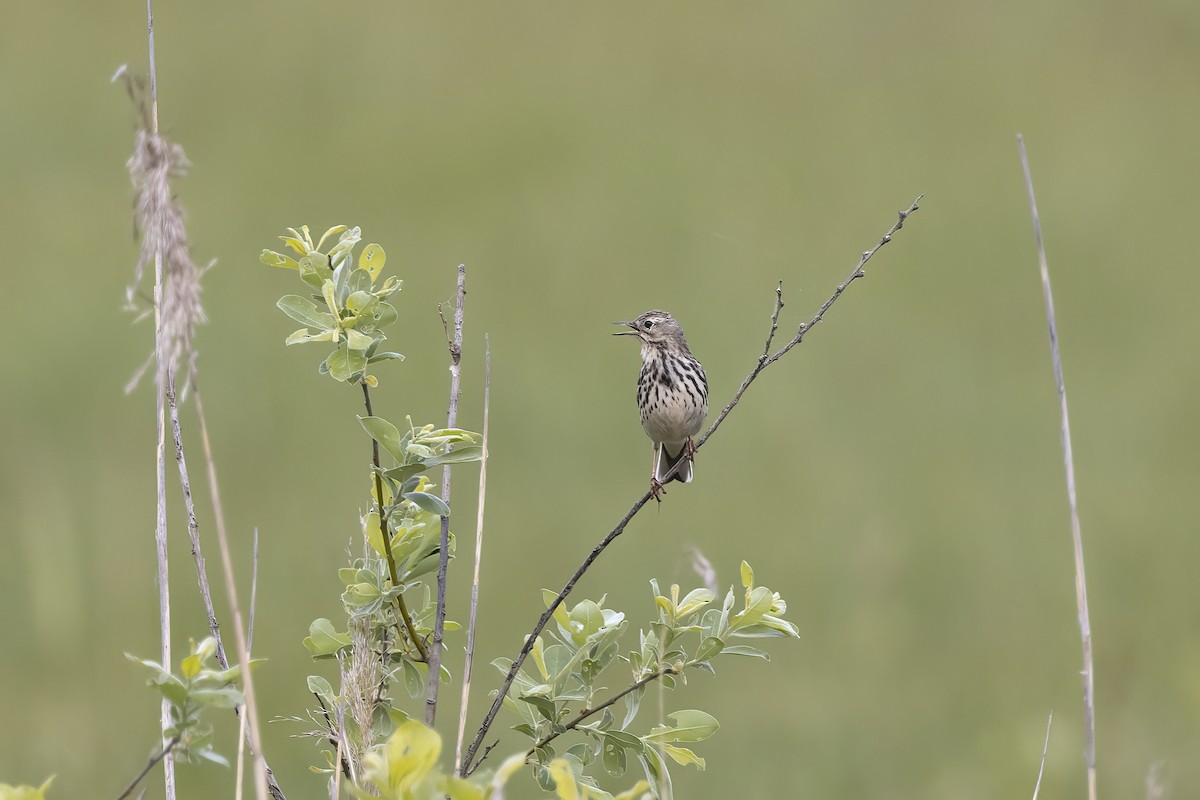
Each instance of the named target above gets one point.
<point>765,360</point>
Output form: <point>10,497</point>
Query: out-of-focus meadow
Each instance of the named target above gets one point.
<point>898,477</point>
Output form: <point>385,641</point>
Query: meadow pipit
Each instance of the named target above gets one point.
<point>672,395</point>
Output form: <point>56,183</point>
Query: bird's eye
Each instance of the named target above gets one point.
<point>648,324</point>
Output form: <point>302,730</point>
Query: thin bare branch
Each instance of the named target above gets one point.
<point>159,756</point>
<point>1045,748</point>
<point>1081,602</point>
<point>439,619</point>
<point>193,528</point>
<point>588,713</point>
<point>759,366</point>
<point>470,655</point>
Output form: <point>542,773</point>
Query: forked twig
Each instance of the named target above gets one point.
<point>764,361</point>
<point>1081,603</point>
<point>469,659</point>
<point>439,618</point>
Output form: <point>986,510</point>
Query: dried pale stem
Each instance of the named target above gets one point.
<point>468,764</point>
<point>157,757</point>
<point>160,533</point>
<point>265,783</point>
<point>587,713</point>
<point>468,660</point>
<point>1037,787</point>
<point>160,528</point>
<point>1081,602</point>
<point>387,540</point>
<point>439,619</point>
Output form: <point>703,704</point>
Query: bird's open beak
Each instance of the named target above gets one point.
<point>632,330</point>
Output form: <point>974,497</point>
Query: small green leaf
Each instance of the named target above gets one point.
<point>544,705</point>
<point>709,648</point>
<point>747,575</point>
<point>190,667</point>
<point>385,357</point>
<point>691,725</point>
<point>357,341</point>
<point>344,364</point>
<point>414,680</point>
<point>323,639</point>
<point>385,314</point>
<point>682,756</point>
<point>273,259</point>
<point>306,312</point>
<point>746,650</point>
<point>303,336</point>
<point>385,433</point>
<point>334,231</point>
<point>320,687</point>
<point>216,698</point>
<point>429,502</point>
<point>459,455</point>
<point>372,260</point>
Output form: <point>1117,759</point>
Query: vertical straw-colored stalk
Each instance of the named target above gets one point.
<point>470,655</point>
<point>1081,602</point>
<point>177,312</point>
<point>160,354</point>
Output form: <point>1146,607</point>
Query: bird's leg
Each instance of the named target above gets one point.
<point>656,488</point>
<point>689,448</point>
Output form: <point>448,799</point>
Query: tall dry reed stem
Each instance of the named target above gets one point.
<point>1081,601</point>
<point>469,658</point>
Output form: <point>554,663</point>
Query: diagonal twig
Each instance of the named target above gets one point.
<point>1081,603</point>
<point>439,619</point>
<point>764,361</point>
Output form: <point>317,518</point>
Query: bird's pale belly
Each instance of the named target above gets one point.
<point>673,422</point>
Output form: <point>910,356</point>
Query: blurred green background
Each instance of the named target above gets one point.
<point>898,478</point>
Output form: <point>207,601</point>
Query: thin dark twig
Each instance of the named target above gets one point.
<point>759,366</point>
<point>1045,748</point>
<point>1081,602</point>
<point>589,712</point>
<point>193,528</point>
<point>469,658</point>
<point>774,322</point>
<point>439,618</point>
<point>159,756</point>
<point>387,539</point>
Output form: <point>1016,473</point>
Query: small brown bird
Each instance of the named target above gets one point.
<point>672,395</point>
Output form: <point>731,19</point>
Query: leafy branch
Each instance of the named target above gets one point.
<point>197,687</point>
<point>469,763</point>
<point>404,531</point>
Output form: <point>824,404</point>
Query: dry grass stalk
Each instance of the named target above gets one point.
<point>470,655</point>
<point>1081,603</point>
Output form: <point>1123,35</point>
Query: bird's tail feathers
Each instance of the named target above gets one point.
<point>684,474</point>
